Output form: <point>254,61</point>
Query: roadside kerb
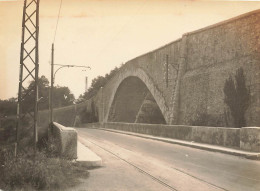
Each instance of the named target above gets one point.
<point>86,157</point>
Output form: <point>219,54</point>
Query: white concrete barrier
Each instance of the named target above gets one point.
<point>65,140</point>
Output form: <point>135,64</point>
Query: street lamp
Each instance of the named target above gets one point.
<point>52,83</point>
<point>53,78</point>
<point>67,66</point>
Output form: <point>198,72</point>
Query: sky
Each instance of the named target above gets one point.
<point>102,34</point>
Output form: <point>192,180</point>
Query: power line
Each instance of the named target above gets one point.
<point>57,22</point>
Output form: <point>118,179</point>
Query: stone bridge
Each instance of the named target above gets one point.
<point>182,82</point>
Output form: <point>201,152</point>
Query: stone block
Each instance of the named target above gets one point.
<point>65,140</point>
<point>232,137</point>
<point>250,139</point>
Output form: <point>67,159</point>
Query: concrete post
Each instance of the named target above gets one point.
<point>52,82</point>
<point>102,105</point>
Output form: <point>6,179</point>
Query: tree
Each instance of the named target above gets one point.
<point>237,97</point>
<point>43,95</point>
<point>99,82</point>
<point>61,95</point>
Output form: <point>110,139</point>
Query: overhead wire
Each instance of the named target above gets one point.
<point>56,27</point>
<point>57,22</point>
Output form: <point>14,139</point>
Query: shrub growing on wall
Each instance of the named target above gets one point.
<point>237,97</point>
<point>89,116</point>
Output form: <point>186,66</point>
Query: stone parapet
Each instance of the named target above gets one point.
<point>228,137</point>
<point>247,138</point>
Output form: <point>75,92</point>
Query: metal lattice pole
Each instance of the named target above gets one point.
<point>27,106</point>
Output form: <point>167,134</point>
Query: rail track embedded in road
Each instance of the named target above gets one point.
<point>147,173</point>
<point>136,167</point>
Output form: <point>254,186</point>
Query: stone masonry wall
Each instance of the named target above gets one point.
<point>199,64</point>
<point>213,54</point>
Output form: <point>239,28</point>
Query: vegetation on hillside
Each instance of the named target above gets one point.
<point>8,107</point>
<point>97,83</point>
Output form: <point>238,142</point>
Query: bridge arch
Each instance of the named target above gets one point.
<point>128,72</point>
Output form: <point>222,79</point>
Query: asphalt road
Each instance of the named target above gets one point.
<point>180,167</point>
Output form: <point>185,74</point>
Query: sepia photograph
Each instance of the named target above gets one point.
<point>129,95</point>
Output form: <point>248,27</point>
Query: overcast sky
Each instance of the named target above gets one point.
<point>102,34</point>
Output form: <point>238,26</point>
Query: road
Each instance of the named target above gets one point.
<point>173,167</point>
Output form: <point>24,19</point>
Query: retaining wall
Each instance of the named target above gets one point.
<point>66,116</point>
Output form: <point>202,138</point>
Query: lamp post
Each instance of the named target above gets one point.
<point>53,78</point>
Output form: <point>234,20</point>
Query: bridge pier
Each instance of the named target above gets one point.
<point>181,70</point>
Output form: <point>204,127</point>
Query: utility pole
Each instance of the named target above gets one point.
<point>52,82</point>
<point>29,67</point>
<point>53,79</point>
<point>103,109</point>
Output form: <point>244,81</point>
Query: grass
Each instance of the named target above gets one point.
<point>7,130</point>
<point>42,171</point>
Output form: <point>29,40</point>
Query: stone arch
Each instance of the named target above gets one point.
<point>126,72</point>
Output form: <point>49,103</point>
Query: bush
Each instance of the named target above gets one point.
<point>204,119</point>
<point>89,116</point>
<point>237,97</point>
